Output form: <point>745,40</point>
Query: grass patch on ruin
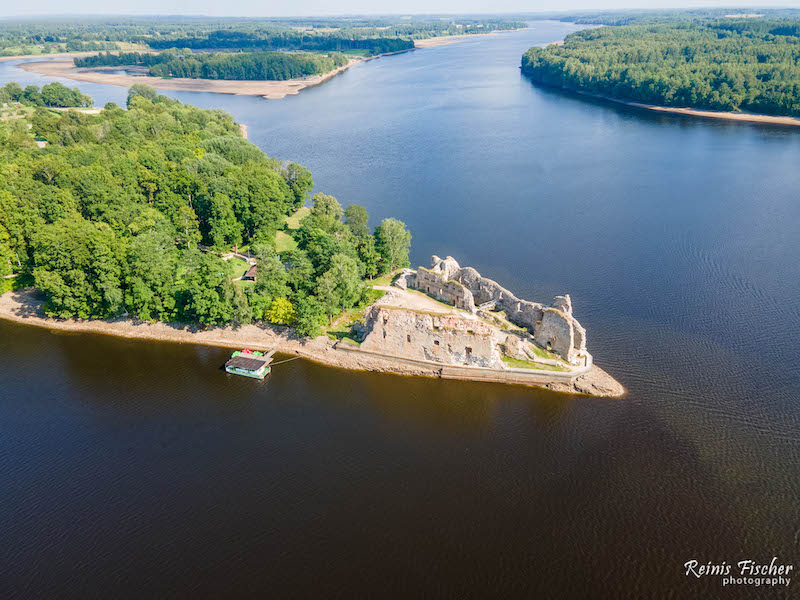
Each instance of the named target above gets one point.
<point>516,363</point>
<point>542,353</point>
<point>344,337</point>
<point>444,305</point>
<point>500,317</point>
<point>386,279</point>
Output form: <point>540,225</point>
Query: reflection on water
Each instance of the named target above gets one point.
<point>125,461</point>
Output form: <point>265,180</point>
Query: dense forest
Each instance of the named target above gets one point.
<point>652,16</point>
<point>274,66</point>
<point>289,40</point>
<point>725,64</point>
<point>55,95</point>
<point>370,35</point>
<point>131,212</point>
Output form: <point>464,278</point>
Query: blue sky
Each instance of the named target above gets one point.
<point>331,7</point>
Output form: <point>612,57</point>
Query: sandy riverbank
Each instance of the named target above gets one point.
<point>53,55</point>
<point>696,112</point>
<point>25,307</point>
<point>272,90</point>
<point>454,39</point>
<point>64,67</point>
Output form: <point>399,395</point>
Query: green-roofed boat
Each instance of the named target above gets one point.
<point>250,363</point>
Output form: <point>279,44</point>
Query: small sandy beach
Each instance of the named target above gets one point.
<point>454,39</point>
<point>271,90</point>
<point>696,112</point>
<point>53,55</point>
<point>64,67</point>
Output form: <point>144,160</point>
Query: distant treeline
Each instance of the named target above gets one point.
<point>273,66</point>
<point>617,18</point>
<point>126,212</point>
<point>371,34</point>
<point>285,40</point>
<point>53,95</point>
<point>730,65</point>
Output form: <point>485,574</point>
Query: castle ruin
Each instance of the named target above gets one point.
<point>492,323</point>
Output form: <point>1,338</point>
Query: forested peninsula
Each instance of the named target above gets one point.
<point>259,66</point>
<point>53,95</point>
<point>719,64</point>
<point>146,212</point>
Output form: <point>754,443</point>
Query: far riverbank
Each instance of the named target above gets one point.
<point>25,307</point>
<point>271,90</point>
<point>696,112</point>
<point>446,40</point>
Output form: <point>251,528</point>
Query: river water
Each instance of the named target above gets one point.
<point>133,469</point>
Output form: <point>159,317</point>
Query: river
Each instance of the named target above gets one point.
<point>133,469</point>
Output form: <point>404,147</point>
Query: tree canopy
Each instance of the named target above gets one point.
<point>722,64</point>
<point>272,66</point>
<point>135,212</point>
<point>55,95</point>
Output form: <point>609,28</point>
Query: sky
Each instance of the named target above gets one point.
<point>271,8</point>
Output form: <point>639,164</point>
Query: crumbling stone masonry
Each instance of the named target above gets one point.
<point>447,339</point>
<point>553,327</point>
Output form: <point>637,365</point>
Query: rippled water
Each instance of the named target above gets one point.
<point>139,469</point>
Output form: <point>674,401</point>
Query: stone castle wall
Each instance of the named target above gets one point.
<point>447,339</point>
<point>553,327</point>
<point>451,292</point>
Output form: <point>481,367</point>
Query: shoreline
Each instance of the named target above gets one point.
<point>25,307</point>
<point>445,40</point>
<point>687,111</point>
<point>53,55</point>
<point>696,112</point>
<point>270,90</point>
<point>65,68</point>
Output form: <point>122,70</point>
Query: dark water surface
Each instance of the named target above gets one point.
<point>132,469</point>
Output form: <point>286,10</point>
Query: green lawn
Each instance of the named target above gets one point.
<point>15,283</point>
<point>343,323</point>
<point>384,279</point>
<point>238,267</point>
<point>284,242</point>
<point>293,221</point>
<point>529,364</point>
<point>355,52</point>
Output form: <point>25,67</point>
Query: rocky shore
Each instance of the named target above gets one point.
<point>25,307</point>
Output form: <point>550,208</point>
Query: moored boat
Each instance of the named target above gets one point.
<point>250,363</point>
